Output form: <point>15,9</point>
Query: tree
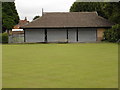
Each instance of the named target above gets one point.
<point>36,17</point>
<point>87,6</point>
<point>112,11</point>
<point>9,16</point>
<point>0,17</point>
<point>109,10</point>
<point>0,9</point>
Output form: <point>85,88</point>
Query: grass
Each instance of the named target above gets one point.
<point>85,65</point>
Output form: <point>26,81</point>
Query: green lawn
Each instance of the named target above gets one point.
<point>84,65</point>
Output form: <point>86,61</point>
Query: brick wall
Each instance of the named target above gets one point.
<point>100,33</point>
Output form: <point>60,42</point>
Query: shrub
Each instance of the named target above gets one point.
<point>113,34</point>
<point>4,38</point>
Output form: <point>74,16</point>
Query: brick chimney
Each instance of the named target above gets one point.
<point>25,18</point>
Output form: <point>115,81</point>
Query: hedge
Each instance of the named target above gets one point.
<point>113,34</point>
<point>4,38</point>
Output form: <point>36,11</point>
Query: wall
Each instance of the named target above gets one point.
<point>100,33</point>
<point>61,35</point>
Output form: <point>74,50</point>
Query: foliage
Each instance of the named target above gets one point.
<point>109,10</point>
<point>8,21</point>
<point>36,17</point>
<point>113,34</point>
<point>87,6</point>
<point>9,15</point>
<point>112,11</point>
<point>4,38</point>
<point>0,9</point>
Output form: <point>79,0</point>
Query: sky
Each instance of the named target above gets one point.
<point>32,8</point>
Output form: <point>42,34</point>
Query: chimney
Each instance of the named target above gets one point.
<point>25,18</point>
<point>42,11</point>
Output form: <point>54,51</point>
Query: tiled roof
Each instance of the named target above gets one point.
<point>21,23</point>
<point>69,19</point>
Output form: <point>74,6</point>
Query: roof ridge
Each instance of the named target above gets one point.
<point>71,12</point>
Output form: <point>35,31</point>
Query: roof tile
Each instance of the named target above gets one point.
<point>69,19</point>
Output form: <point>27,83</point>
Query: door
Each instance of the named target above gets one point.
<point>86,34</point>
<point>56,35</point>
<point>34,35</point>
<point>72,35</point>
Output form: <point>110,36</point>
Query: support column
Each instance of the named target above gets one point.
<point>67,35</point>
<point>77,35</point>
<point>45,35</point>
<point>24,36</point>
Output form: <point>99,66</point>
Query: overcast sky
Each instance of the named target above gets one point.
<point>31,8</point>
